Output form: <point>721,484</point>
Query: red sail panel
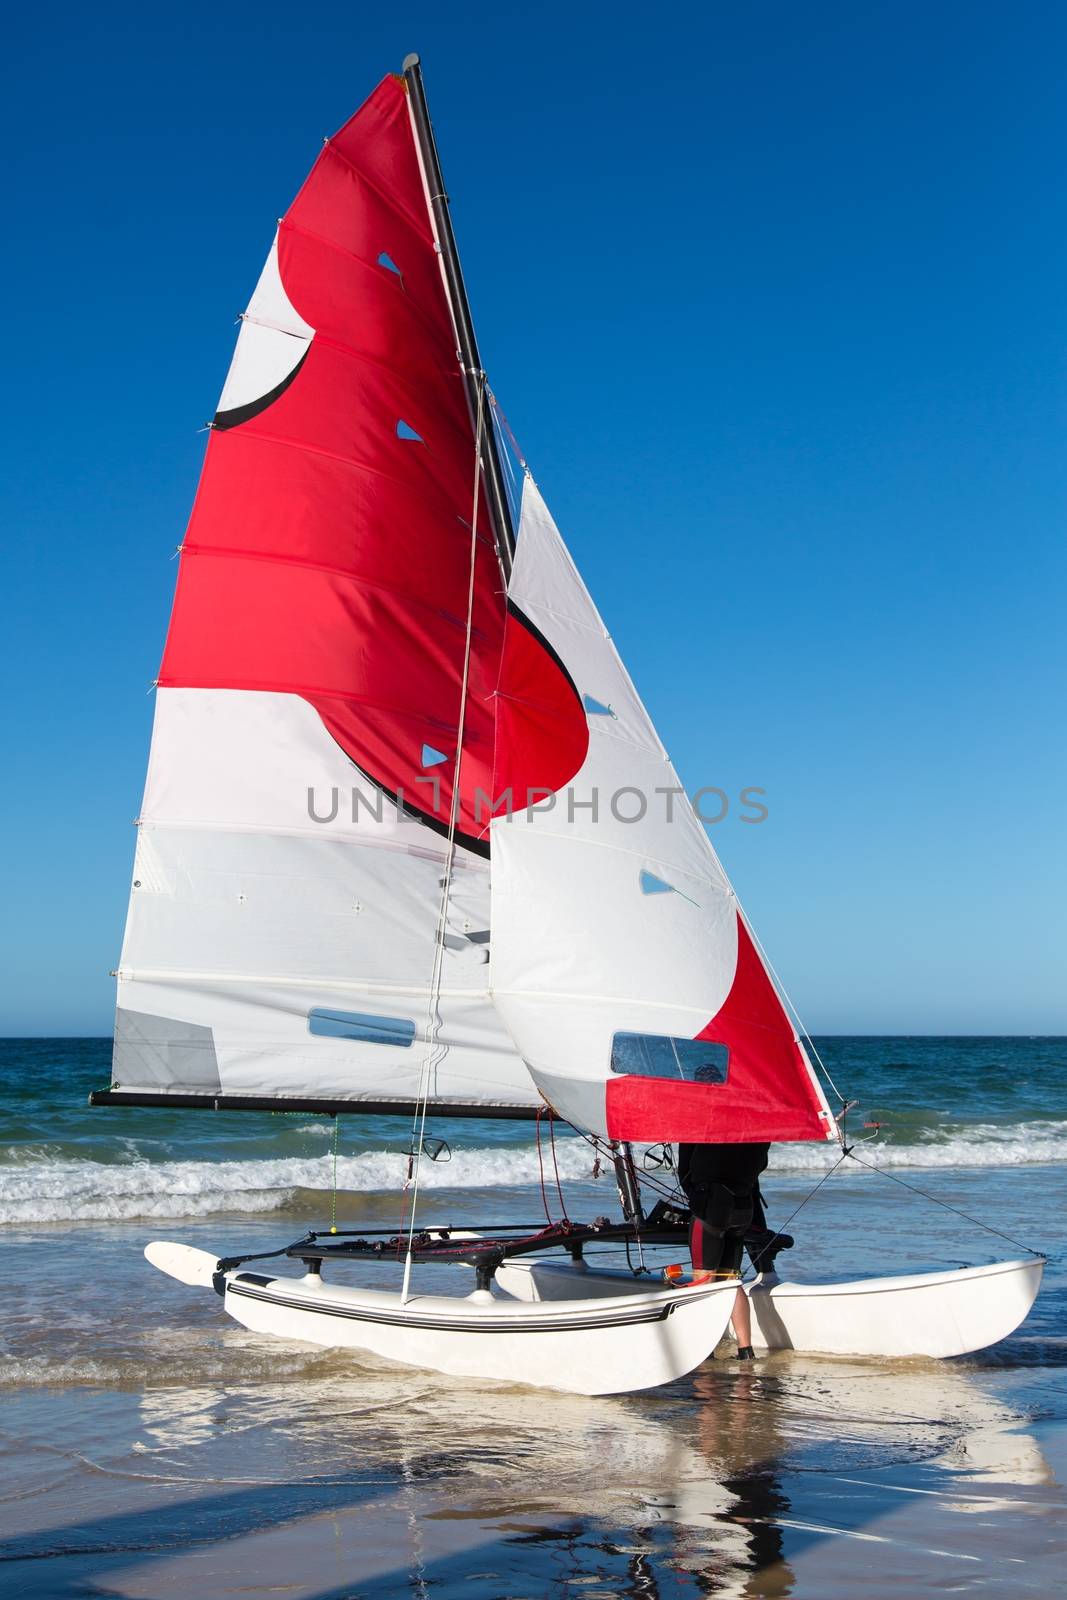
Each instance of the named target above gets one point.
<point>328,553</point>
<point>768,1095</point>
<point>541,725</point>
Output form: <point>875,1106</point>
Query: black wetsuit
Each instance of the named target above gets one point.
<point>721,1183</point>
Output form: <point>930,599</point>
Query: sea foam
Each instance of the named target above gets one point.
<point>63,1190</point>
<point>92,1191</point>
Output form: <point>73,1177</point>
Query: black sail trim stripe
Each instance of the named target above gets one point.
<point>439,1324</point>
<point>238,414</point>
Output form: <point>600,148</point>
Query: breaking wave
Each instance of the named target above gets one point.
<point>92,1191</point>
<point>46,1188</point>
<point>979,1144</point>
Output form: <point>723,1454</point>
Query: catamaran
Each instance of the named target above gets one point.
<point>410,843</point>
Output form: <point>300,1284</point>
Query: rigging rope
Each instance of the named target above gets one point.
<point>988,1227</point>
<point>498,412</point>
<point>778,1232</point>
<point>658,1185</point>
<point>555,1162</point>
<point>848,1154</point>
<point>333,1197</point>
<point>672,1192</point>
<point>546,1111</point>
<point>433,1021</point>
<point>541,1164</point>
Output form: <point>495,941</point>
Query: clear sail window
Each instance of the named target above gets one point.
<point>364,1026</point>
<point>657,1055</point>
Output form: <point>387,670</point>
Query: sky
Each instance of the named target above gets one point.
<point>773,297</point>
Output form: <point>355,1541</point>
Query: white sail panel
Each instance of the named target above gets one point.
<point>615,929</point>
<point>252,928</point>
<point>273,340</point>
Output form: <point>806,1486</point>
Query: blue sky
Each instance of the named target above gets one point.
<point>774,299</point>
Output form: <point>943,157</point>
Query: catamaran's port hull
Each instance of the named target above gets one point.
<point>605,1345</point>
<point>937,1314</point>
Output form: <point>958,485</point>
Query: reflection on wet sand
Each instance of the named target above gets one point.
<point>341,1481</point>
<point>641,1497</point>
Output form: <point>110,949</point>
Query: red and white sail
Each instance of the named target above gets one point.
<point>622,964</point>
<point>311,901</point>
<point>317,644</point>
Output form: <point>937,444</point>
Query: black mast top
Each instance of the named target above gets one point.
<point>473,374</point>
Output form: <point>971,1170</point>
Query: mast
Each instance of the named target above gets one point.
<point>626,1178</point>
<point>473,374</point>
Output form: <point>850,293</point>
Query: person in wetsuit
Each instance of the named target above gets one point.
<point>721,1183</point>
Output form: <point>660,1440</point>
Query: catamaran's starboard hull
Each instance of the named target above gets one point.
<point>606,1345</point>
<point>935,1314</point>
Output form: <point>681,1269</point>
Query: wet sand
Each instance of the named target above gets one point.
<point>802,1477</point>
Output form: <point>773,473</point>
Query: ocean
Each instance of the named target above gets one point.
<point>149,1446</point>
<point>943,1104</point>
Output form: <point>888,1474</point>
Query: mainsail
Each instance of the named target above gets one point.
<point>286,893</point>
<point>366,688</point>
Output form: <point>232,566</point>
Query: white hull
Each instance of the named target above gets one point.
<point>608,1344</point>
<point>925,1314</point>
